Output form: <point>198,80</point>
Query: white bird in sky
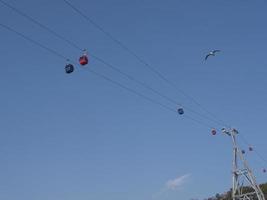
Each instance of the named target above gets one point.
<point>212,53</point>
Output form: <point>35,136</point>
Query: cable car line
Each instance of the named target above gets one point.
<point>130,90</point>
<point>141,60</point>
<point>41,25</point>
<point>97,73</point>
<point>114,68</point>
<point>74,45</point>
<point>250,148</point>
<point>153,90</point>
<point>147,98</point>
<point>105,63</point>
<point>255,150</point>
<point>33,41</point>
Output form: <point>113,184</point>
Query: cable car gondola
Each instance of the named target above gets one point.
<point>250,149</point>
<point>83,60</point>
<point>243,151</point>
<point>69,68</point>
<point>180,111</point>
<point>213,131</point>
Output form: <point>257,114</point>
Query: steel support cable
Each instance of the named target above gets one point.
<point>104,62</point>
<point>97,73</point>
<point>199,122</point>
<point>141,60</point>
<point>34,42</point>
<point>261,157</point>
<point>147,98</point>
<point>255,150</point>
<point>152,89</point>
<point>130,90</point>
<point>152,69</point>
<point>40,24</point>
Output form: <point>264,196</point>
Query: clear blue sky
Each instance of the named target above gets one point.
<point>66,137</point>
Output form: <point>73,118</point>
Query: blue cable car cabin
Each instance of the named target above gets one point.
<point>180,111</point>
<point>69,68</point>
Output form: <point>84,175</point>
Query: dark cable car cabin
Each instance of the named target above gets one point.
<point>69,68</point>
<point>264,170</point>
<point>250,149</point>
<point>243,151</point>
<point>213,131</point>
<point>180,111</point>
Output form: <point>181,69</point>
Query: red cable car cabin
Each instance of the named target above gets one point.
<point>83,60</point>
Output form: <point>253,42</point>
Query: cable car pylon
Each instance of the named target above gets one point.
<point>242,174</point>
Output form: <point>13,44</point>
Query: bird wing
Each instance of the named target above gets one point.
<point>207,56</point>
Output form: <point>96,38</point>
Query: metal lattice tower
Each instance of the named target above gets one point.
<point>242,174</point>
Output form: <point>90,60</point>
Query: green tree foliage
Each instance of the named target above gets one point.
<point>228,195</point>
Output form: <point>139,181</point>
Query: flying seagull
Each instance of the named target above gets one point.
<point>212,53</point>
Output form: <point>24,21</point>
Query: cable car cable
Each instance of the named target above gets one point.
<point>263,160</point>
<point>33,41</point>
<point>141,60</point>
<point>130,90</point>
<point>255,150</point>
<point>147,98</point>
<point>104,62</point>
<point>40,24</point>
<point>97,58</point>
<point>107,64</point>
<point>96,73</point>
<point>152,89</point>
